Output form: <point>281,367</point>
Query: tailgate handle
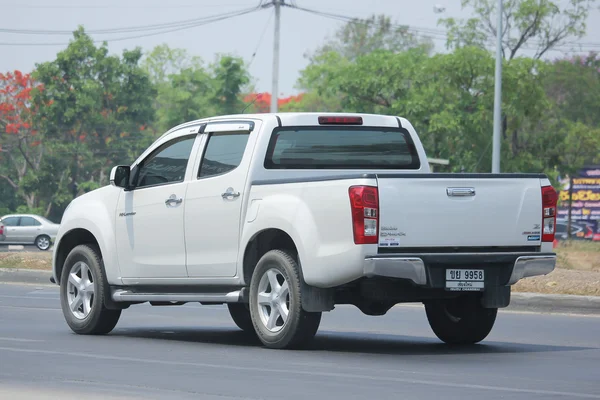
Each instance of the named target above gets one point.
<point>460,192</point>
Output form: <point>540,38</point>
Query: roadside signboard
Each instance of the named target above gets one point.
<point>585,207</point>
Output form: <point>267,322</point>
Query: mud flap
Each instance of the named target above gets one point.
<point>496,297</point>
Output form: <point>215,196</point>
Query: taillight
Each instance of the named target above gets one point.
<point>1,229</point>
<point>364,202</point>
<point>331,120</point>
<point>549,200</point>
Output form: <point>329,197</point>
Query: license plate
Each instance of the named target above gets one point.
<point>465,279</point>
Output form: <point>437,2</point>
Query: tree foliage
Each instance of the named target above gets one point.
<point>101,107</point>
<point>377,32</point>
<point>535,25</point>
<point>21,147</point>
<point>191,89</point>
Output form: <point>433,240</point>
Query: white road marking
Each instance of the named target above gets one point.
<point>44,297</point>
<point>288,372</point>
<point>9,339</point>
<point>32,308</point>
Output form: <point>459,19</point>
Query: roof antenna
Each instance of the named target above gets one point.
<point>252,102</point>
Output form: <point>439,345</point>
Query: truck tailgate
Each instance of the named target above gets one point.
<point>459,211</point>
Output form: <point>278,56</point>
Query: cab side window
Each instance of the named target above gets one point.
<point>167,164</point>
<point>224,152</point>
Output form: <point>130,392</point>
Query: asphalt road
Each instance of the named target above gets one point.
<point>197,352</point>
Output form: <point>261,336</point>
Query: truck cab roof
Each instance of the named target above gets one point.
<point>301,119</point>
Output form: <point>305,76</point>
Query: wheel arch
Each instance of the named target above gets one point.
<point>68,242</point>
<point>260,243</point>
<point>313,299</point>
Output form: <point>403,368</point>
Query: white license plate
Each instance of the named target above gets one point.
<point>465,279</point>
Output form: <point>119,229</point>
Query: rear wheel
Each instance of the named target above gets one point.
<point>460,321</point>
<point>82,291</point>
<point>276,304</point>
<point>42,242</point>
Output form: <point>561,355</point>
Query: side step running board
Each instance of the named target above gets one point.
<point>123,295</point>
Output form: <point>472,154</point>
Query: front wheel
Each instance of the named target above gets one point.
<point>460,321</point>
<point>82,291</point>
<point>276,303</point>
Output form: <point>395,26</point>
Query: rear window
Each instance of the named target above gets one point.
<point>341,148</point>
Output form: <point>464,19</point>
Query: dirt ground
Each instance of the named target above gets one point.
<point>577,270</point>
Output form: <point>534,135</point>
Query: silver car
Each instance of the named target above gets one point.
<point>28,229</point>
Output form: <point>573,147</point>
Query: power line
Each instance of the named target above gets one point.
<point>148,27</point>
<point>262,35</point>
<point>432,33</point>
<point>200,22</point>
<point>113,6</point>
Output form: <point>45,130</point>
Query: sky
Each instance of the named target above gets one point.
<point>242,35</point>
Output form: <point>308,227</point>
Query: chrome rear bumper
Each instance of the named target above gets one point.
<point>527,266</point>
<point>415,267</point>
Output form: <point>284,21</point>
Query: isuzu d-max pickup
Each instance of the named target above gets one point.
<point>283,216</point>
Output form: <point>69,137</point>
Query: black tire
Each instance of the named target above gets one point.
<point>99,320</point>
<point>460,321</point>
<point>300,326</point>
<point>240,313</point>
<point>43,242</point>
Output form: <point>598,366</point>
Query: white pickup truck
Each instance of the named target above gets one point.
<point>283,216</point>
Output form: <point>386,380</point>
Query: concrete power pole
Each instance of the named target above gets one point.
<point>497,96</point>
<point>275,82</point>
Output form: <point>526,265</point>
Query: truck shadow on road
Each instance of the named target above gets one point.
<point>347,342</point>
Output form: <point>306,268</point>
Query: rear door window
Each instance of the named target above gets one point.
<point>223,154</point>
<point>28,221</point>
<point>10,221</point>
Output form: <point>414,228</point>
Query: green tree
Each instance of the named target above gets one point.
<point>359,37</point>
<point>536,25</point>
<point>164,61</point>
<point>581,147</point>
<point>356,39</point>
<point>573,84</point>
<point>100,108</point>
<point>230,78</point>
<point>202,91</point>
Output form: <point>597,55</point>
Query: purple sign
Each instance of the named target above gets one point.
<point>585,207</point>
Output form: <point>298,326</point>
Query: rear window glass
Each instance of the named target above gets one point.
<point>341,148</point>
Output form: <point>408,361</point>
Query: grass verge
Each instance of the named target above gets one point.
<point>27,260</point>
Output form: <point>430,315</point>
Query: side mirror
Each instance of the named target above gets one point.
<point>119,176</point>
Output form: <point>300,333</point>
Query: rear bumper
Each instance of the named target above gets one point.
<point>428,270</point>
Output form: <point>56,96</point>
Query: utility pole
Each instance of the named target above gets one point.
<point>275,83</point>
<point>497,95</point>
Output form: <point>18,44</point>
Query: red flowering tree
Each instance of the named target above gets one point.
<point>262,102</point>
<point>20,146</point>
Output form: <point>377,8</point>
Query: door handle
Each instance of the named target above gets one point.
<point>230,193</point>
<point>173,199</point>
